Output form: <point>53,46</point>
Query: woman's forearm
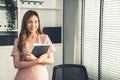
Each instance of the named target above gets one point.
<point>49,59</point>
<point>24,64</point>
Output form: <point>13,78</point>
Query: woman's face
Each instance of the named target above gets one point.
<point>32,24</point>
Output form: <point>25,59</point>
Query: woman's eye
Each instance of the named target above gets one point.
<point>36,22</point>
<point>33,22</point>
<point>29,21</point>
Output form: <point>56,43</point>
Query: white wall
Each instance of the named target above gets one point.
<point>7,70</point>
<point>50,12</point>
<point>58,58</point>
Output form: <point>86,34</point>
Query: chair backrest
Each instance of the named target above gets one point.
<point>69,72</point>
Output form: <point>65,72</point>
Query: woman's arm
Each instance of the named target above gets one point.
<point>47,60</point>
<point>23,64</point>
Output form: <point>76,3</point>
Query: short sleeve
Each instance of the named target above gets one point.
<point>15,50</point>
<point>52,48</point>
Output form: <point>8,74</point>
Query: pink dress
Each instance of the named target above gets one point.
<point>36,72</point>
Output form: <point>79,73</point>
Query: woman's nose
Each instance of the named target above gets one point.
<point>33,24</point>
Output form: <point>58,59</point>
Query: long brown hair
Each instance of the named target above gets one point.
<point>24,33</point>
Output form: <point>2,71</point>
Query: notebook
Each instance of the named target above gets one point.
<point>39,49</point>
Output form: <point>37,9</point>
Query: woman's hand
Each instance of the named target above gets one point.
<point>43,57</point>
<point>30,57</point>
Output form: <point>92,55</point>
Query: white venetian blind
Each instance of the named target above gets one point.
<point>91,37</point>
<point>111,40</point>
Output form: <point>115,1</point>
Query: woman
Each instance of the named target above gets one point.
<point>29,66</point>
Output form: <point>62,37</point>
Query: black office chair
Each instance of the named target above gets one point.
<point>69,72</point>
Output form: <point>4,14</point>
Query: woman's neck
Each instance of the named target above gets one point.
<point>33,35</point>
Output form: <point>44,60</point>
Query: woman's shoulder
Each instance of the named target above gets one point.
<point>16,40</point>
<point>44,35</point>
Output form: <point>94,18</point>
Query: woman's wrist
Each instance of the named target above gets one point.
<point>39,60</point>
<point>29,57</point>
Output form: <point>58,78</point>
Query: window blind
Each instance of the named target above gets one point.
<point>111,40</point>
<point>91,37</point>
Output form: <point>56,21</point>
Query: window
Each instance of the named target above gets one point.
<point>106,36</point>
<point>91,37</point>
<point>111,40</point>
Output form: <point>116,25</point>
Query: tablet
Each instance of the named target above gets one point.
<point>39,49</point>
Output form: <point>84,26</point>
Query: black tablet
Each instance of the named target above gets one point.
<point>40,49</point>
